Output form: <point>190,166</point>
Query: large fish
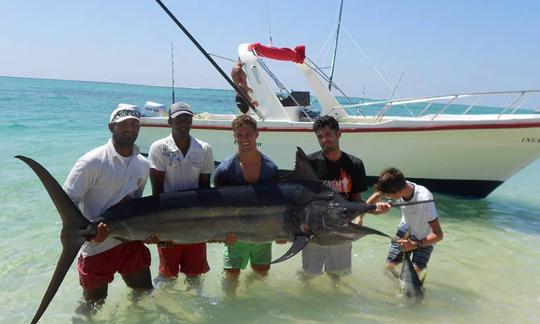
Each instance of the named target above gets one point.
<point>410,284</point>
<point>297,208</point>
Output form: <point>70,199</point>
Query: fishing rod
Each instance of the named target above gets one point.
<point>242,94</point>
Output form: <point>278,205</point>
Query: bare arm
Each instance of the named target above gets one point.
<point>204,180</point>
<point>357,196</point>
<point>435,236</point>
<point>239,77</point>
<point>157,178</point>
<point>375,197</point>
<point>382,207</point>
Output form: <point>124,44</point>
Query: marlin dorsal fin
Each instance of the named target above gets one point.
<point>302,169</point>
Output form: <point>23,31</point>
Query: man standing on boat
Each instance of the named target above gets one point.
<point>239,78</point>
<point>246,167</point>
<point>180,162</point>
<point>345,174</point>
<point>100,179</point>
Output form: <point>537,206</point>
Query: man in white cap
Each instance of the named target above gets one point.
<point>99,180</point>
<point>180,162</point>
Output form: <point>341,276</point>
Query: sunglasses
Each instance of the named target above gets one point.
<point>126,113</point>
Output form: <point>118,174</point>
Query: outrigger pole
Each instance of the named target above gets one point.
<point>335,47</point>
<point>172,72</point>
<point>242,94</point>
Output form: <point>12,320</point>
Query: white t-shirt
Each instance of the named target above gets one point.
<point>181,172</point>
<point>100,179</point>
<point>417,217</point>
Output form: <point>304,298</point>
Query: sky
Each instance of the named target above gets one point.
<point>438,47</point>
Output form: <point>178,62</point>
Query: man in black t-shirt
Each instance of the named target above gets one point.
<point>345,174</point>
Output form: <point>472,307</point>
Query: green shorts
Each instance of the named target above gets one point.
<point>237,255</point>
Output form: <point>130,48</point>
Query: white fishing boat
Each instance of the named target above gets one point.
<point>449,143</point>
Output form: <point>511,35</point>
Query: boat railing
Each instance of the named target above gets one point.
<point>447,104</point>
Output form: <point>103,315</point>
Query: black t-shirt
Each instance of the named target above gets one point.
<point>346,176</point>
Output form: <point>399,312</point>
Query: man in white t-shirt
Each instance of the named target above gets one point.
<point>420,221</point>
<point>99,180</point>
<point>180,162</point>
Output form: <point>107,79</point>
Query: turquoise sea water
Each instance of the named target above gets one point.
<point>485,270</point>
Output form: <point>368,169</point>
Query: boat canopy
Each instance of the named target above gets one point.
<point>269,104</point>
<point>296,55</point>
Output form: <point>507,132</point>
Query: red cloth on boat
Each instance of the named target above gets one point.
<point>297,55</point>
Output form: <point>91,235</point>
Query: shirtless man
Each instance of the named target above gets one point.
<point>239,78</point>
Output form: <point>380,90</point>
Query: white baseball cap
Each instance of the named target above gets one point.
<point>123,112</point>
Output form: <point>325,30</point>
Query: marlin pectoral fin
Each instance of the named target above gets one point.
<point>368,230</point>
<point>300,242</point>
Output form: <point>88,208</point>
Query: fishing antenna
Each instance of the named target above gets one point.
<point>335,47</point>
<point>172,72</point>
<point>242,94</point>
<point>269,23</point>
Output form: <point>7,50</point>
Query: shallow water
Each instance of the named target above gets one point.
<point>485,270</point>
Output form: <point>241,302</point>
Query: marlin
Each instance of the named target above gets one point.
<point>410,284</point>
<point>297,208</point>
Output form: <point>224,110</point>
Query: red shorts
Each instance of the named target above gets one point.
<point>99,269</point>
<point>189,259</point>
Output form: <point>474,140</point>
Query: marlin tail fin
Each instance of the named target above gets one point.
<point>411,284</point>
<point>72,235</point>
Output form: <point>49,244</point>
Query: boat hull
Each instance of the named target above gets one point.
<point>466,158</point>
